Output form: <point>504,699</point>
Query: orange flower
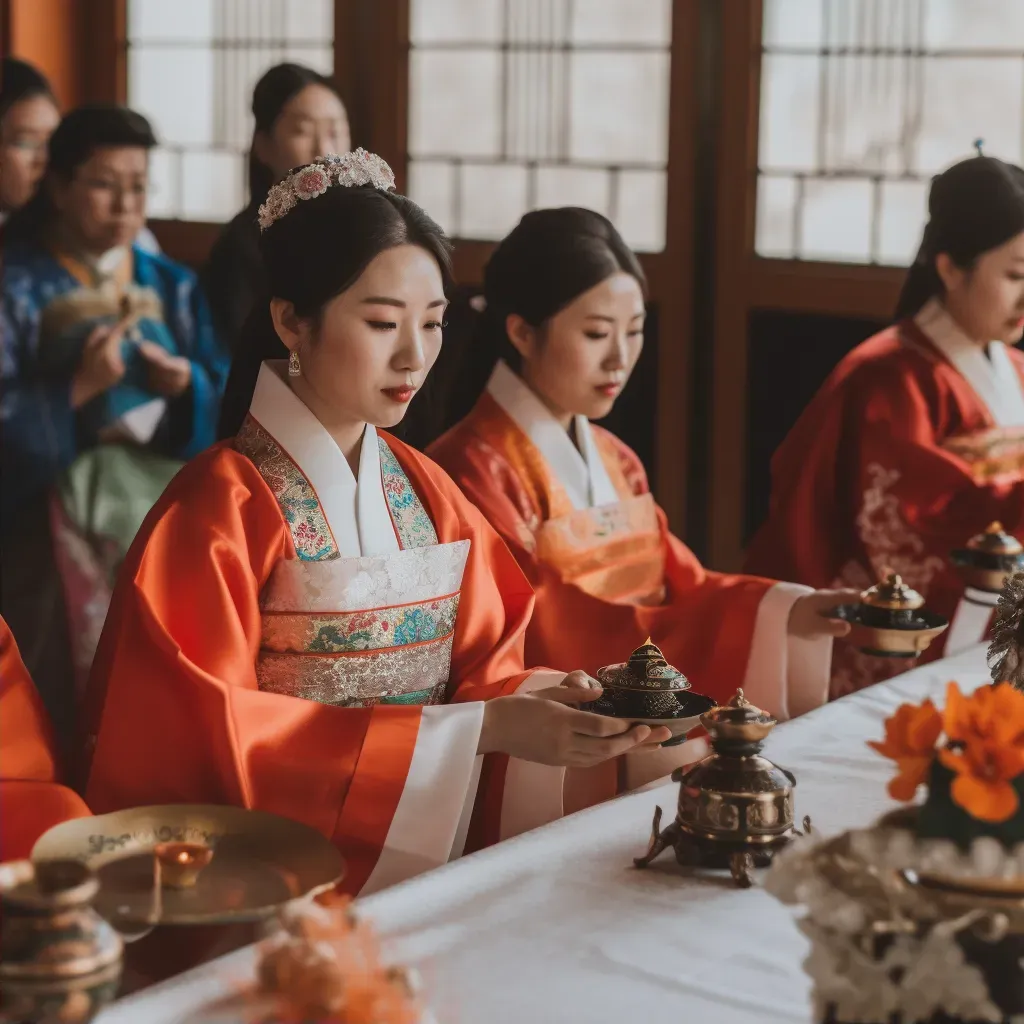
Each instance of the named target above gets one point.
<point>986,735</point>
<point>910,737</point>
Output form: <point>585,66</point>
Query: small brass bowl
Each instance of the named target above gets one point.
<point>181,863</point>
<point>898,639</point>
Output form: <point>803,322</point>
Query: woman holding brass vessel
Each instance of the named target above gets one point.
<point>914,446</point>
<point>561,332</point>
<point>315,621</point>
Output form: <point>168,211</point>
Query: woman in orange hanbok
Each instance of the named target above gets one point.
<point>915,442</point>
<point>31,799</point>
<point>562,329</point>
<point>313,620</point>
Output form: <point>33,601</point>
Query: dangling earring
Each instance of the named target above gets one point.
<point>294,366</point>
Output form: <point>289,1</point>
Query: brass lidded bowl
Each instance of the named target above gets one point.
<point>989,558</point>
<point>646,689</point>
<point>260,861</point>
<point>890,621</point>
<point>734,795</point>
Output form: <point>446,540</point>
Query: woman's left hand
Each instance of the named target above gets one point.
<point>168,375</point>
<point>807,617</point>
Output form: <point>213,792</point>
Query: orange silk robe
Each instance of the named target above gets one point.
<point>234,667</point>
<point>606,570</point>
<point>913,444</point>
<point>31,800</point>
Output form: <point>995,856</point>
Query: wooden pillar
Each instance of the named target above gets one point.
<point>78,46</point>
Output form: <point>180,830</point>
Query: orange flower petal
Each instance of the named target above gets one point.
<point>987,801</point>
<point>924,727</point>
<point>913,771</point>
<point>957,715</point>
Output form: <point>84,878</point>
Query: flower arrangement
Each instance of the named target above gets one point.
<point>970,755</point>
<point>325,965</point>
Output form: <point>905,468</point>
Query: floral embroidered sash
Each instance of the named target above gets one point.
<point>354,632</point>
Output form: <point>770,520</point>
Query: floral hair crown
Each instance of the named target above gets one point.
<point>348,170</point>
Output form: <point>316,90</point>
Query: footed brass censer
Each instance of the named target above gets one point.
<point>735,807</point>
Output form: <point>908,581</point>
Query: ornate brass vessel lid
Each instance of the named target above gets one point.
<point>995,541</point>
<point>738,720</point>
<point>892,593</point>
<point>646,669</point>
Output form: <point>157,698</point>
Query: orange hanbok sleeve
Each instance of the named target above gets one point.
<point>31,800</point>
<point>705,623</point>
<point>174,693</point>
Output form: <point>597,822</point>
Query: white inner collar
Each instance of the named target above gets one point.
<point>356,510</point>
<point>581,471</point>
<point>994,378</point>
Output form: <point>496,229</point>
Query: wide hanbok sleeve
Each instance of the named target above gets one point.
<point>179,716</point>
<point>722,630</point>
<point>31,798</point>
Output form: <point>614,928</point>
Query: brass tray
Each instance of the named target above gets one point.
<point>260,861</point>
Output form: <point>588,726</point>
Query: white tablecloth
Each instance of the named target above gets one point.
<point>556,926</point>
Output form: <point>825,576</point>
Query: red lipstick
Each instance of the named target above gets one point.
<point>401,395</point>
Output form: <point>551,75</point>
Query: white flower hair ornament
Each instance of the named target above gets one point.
<point>348,170</point>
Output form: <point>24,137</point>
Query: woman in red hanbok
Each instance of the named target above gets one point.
<point>561,332</point>
<point>915,442</point>
<point>313,620</point>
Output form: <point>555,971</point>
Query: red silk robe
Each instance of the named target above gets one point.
<point>235,669</point>
<point>31,799</point>
<point>913,444</point>
<point>606,570</point>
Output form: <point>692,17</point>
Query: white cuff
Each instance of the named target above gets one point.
<point>786,676</point>
<point>441,782</point>
<point>533,792</point>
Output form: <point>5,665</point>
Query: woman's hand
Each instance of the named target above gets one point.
<point>540,727</point>
<point>807,618</point>
<point>101,365</point>
<point>168,375</point>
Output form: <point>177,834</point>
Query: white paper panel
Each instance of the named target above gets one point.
<point>573,186</point>
<point>619,107</point>
<point>640,210</point>
<point>164,20</point>
<point>776,201</point>
<point>903,215</point>
<point>211,185</point>
<point>974,24</point>
<point>789,112</point>
<point>432,185</point>
<point>455,21</point>
<point>493,200</point>
<point>792,23</point>
<point>618,22</point>
<point>454,99</point>
<point>162,199</point>
<point>174,87</point>
<point>836,223</point>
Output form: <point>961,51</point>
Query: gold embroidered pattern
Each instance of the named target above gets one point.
<point>360,631</point>
<point>888,539</point>
<point>994,456</point>
<point>412,524</point>
<point>299,504</point>
<point>415,674</point>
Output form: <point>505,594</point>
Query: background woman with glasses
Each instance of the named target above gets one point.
<point>110,373</point>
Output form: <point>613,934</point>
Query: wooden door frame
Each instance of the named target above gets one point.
<point>745,282</point>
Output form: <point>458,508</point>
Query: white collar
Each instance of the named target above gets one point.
<point>581,471</point>
<point>357,512</point>
<point>994,379</point>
